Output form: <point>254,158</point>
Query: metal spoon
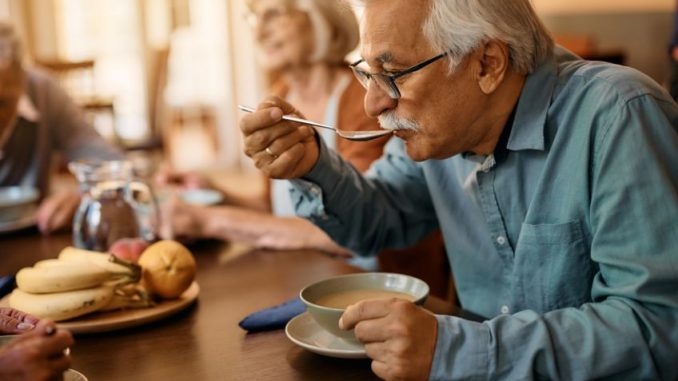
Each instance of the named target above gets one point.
<point>350,135</point>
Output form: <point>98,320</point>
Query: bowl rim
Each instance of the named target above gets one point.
<point>418,300</point>
<point>18,195</point>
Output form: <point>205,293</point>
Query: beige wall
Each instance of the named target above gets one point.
<point>597,6</point>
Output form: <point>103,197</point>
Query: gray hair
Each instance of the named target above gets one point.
<point>335,27</point>
<point>460,26</point>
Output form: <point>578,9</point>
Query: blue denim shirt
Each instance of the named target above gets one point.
<point>567,243</point>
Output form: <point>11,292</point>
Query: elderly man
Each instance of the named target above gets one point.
<point>37,119</point>
<point>554,181</point>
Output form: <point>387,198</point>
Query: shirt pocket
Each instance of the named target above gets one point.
<point>553,267</point>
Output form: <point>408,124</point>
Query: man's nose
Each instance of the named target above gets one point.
<point>377,101</point>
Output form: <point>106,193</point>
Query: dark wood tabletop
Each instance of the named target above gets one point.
<point>204,342</point>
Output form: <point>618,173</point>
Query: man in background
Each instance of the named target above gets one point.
<point>37,119</point>
<point>673,52</point>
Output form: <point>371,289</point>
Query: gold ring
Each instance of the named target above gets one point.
<point>268,151</point>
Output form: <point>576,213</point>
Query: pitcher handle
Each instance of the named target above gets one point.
<point>142,199</point>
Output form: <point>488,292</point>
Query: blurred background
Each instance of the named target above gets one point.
<point>165,76</point>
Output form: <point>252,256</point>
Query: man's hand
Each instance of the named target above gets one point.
<point>14,321</point>
<point>281,149</point>
<point>399,337</point>
<point>56,212</point>
<point>181,220</point>
<point>37,355</point>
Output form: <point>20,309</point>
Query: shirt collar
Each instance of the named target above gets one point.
<point>527,132</point>
<point>27,110</point>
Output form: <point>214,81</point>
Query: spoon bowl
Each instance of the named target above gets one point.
<point>360,136</point>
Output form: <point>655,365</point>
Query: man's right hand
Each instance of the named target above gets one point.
<point>281,149</point>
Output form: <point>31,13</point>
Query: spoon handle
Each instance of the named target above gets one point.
<point>292,119</point>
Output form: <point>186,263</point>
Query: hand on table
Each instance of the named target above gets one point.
<point>36,355</point>
<point>14,321</point>
<point>180,219</point>
<point>56,211</point>
<point>279,148</point>
<point>399,336</point>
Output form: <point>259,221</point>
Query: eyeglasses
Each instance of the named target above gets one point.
<point>387,82</point>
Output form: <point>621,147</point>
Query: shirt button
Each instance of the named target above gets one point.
<point>501,240</point>
<point>505,309</point>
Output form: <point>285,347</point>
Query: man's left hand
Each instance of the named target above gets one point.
<point>399,337</point>
<point>56,212</point>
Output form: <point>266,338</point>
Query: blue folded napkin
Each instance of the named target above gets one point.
<point>274,317</point>
<point>6,285</point>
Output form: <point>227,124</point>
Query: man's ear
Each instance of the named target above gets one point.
<point>494,62</point>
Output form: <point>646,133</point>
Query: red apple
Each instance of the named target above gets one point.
<point>129,249</point>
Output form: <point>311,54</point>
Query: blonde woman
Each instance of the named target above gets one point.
<point>301,45</point>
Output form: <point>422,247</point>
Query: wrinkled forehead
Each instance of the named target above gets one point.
<point>393,29</point>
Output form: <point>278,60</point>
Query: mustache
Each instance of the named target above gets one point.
<point>389,121</point>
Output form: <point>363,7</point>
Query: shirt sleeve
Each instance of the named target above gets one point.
<point>70,132</point>
<point>389,207</point>
<point>629,330</point>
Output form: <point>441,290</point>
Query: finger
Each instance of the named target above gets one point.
<point>273,101</point>
<point>283,143</point>
<point>372,331</point>
<point>10,325</point>
<point>260,119</point>
<point>262,139</point>
<point>289,160</point>
<point>20,315</point>
<point>60,364</point>
<point>381,369</point>
<point>376,351</point>
<point>364,310</point>
<point>45,212</point>
<point>54,345</point>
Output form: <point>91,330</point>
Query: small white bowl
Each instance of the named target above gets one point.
<point>204,197</point>
<point>328,317</point>
<point>17,202</point>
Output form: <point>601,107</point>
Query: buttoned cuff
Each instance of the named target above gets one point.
<point>462,350</point>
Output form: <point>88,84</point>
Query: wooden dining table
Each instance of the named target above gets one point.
<point>204,342</point>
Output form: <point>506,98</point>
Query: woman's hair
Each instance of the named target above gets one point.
<point>8,33</point>
<point>460,26</point>
<point>335,28</point>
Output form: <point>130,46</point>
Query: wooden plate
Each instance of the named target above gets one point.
<point>114,320</point>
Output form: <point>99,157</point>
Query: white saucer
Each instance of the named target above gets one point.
<point>74,375</point>
<point>306,333</point>
<point>21,223</point>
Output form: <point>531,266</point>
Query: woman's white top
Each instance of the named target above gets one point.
<point>280,189</point>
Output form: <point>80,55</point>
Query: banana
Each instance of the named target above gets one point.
<point>63,305</point>
<point>106,261</point>
<point>52,277</point>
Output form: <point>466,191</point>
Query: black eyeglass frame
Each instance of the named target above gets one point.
<point>389,79</point>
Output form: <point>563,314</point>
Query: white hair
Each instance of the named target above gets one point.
<point>460,26</point>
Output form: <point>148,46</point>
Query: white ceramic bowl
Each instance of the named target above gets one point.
<point>204,197</point>
<point>328,317</point>
<point>17,202</point>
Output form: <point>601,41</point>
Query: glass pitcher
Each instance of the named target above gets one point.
<point>113,205</point>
